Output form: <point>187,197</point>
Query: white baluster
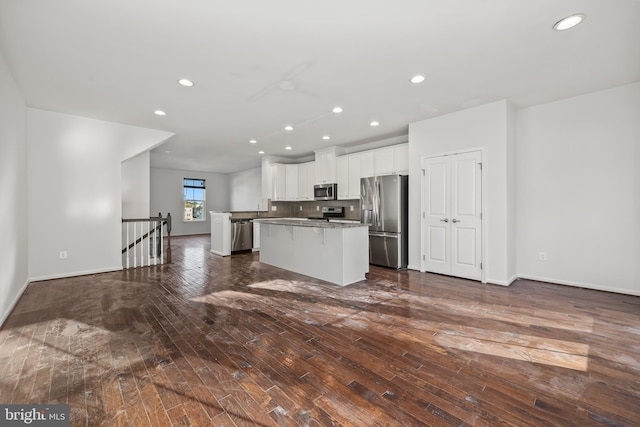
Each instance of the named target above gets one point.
<point>161,243</point>
<point>127,244</point>
<point>135,245</point>
<point>155,242</point>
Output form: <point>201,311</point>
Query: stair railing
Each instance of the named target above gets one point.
<point>144,241</point>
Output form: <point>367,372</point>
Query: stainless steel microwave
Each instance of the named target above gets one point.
<point>325,191</point>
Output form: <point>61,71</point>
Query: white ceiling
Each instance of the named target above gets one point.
<point>260,65</point>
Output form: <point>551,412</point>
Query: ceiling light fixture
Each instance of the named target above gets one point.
<point>288,147</point>
<point>417,79</point>
<point>326,137</point>
<point>288,128</point>
<point>569,22</point>
<point>185,82</point>
<point>260,152</point>
<point>159,113</point>
<point>374,123</point>
<point>337,110</point>
<point>253,141</point>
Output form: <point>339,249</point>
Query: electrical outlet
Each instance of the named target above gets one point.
<point>300,208</point>
<point>317,208</point>
<point>63,255</point>
<point>351,208</point>
<point>274,208</point>
<point>543,256</point>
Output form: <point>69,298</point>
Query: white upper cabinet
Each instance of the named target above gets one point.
<point>349,174</point>
<point>326,165</point>
<point>291,179</point>
<point>367,166</point>
<point>355,174</point>
<point>343,177</point>
<point>392,160</point>
<point>306,180</point>
<point>401,159</point>
<point>279,182</point>
<point>292,182</point>
<point>384,161</point>
<point>284,179</point>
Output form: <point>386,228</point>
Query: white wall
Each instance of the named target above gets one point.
<point>487,127</point>
<point>245,190</point>
<point>578,190</point>
<point>13,192</point>
<point>136,177</point>
<point>74,191</point>
<point>167,196</point>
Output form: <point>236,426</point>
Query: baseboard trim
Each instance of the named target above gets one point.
<point>507,282</point>
<point>579,285</point>
<point>219,253</point>
<point>5,316</point>
<point>413,267</point>
<point>75,274</point>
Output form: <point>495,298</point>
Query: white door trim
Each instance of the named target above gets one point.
<point>485,213</point>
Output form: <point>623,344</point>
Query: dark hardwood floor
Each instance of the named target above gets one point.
<point>229,341</point>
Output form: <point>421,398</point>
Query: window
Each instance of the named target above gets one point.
<point>194,193</point>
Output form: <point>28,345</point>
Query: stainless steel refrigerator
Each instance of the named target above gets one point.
<point>384,207</point>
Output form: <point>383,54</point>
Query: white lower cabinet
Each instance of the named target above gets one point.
<point>256,235</point>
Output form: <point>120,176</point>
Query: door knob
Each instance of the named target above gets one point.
<point>445,220</point>
<point>455,220</point>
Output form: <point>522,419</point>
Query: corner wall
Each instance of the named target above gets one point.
<point>75,197</point>
<point>487,127</point>
<point>578,190</point>
<point>136,187</point>
<point>13,192</point>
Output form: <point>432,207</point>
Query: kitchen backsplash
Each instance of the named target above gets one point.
<point>303,209</point>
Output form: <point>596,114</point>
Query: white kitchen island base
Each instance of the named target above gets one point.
<point>334,252</point>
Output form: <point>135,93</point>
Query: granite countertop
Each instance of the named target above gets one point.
<point>300,222</point>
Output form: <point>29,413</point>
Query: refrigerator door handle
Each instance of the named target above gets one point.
<point>383,234</point>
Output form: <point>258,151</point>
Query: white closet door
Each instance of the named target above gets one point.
<point>466,222</point>
<point>437,195</point>
<point>452,226</point>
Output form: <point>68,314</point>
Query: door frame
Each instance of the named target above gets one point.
<point>483,205</point>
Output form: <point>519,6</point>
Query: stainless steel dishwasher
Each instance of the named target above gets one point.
<point>241,235</point>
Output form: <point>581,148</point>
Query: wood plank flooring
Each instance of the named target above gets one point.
<point>229,341</point>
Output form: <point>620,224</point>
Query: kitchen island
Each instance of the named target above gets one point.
<point>332,251</point>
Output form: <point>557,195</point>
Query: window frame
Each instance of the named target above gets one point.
<point>185,200</point>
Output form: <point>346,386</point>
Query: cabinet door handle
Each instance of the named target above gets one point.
<point>455,220</point>
<point>445,220</point>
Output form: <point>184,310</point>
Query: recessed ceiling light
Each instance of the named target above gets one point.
<point>417,79</point>
<point>185,82</point>
<point>337,110</point>
<point>159,113</point>
<point>569,22</point>
<point>260,152</point>
<point>326,137</point>
<point>374,123</point>
<point>288,147</point>
<point>288,128</point>
<point>253,141</point>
